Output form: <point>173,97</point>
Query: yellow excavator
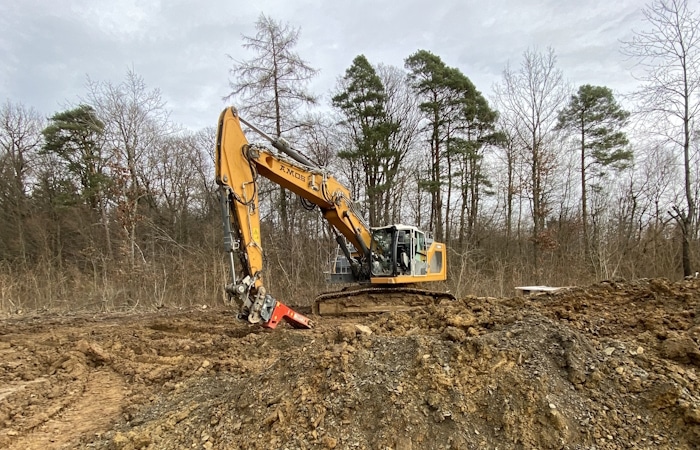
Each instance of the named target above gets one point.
<point>385,262</point>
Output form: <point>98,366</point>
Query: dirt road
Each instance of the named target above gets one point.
<point>610,366</point>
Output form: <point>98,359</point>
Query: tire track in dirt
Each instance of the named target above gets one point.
<point>95,410</point>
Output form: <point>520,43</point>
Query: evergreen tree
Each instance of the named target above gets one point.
<point>362,101</point>
<point>459,122</point>
<point>438,87</point>
<point>75,137</point>
<point>597,120</point>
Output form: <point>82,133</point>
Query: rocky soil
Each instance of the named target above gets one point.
<point>609,366</point>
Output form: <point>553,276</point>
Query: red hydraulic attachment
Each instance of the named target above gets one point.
<point>284,312</point>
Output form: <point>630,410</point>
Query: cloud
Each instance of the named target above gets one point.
<point>180,47</point>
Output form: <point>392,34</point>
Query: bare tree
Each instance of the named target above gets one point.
<point>174,170</point>
<point>203,164</point>
<point>318,138</point>
<point>20,140</point>
<point>508,158</point>
<point>596,121</point>
<point>402,109</point>
<point>271,87</point>
<point>668,54</point>
<point>135,121</point>
<point>532,96</point>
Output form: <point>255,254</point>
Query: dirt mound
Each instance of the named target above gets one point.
<point>614,365</point>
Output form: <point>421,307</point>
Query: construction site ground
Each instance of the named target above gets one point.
<point>615,365</point>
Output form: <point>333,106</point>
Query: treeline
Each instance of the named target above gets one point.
<point>110,205</point>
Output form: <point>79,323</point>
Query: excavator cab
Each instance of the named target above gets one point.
<point>398,250</point>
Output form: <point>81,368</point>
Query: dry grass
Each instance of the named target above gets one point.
<point>197,277</point>
<point>47,287</point>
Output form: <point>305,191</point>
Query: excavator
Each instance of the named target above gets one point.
<point>385,264</point>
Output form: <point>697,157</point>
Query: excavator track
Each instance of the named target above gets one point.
<point>376,300</point>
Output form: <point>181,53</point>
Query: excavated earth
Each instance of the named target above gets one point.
<point>610,366</point>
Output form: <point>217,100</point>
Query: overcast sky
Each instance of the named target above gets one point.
<point>49,48</point>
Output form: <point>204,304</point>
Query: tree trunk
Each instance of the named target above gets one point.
<point>689,219</point>
<point>536,213</point>
<point>584,197</point>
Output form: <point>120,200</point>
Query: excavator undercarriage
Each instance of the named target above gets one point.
<point>368,300</point>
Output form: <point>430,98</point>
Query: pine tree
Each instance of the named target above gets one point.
<point>362,101</point>
<point>597,121</point>
<point>75,137</point>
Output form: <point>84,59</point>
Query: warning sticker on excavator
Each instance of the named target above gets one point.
<point>256,234</point>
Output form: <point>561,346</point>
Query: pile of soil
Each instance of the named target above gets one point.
<point>609,366</point>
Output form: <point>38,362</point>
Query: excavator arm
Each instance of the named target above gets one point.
<point>236,175</point>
